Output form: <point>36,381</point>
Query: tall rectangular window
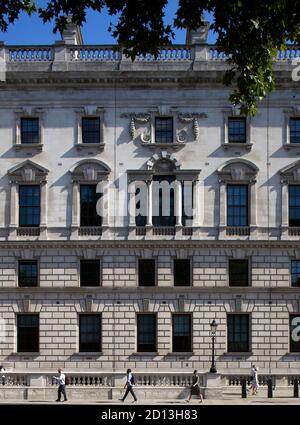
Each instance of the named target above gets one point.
<point>30,132</point>
<point>237,205</point>
<point>91,130</point>
<point>182,333</point>
<point>163,201</point>
<point>294,205</point>
<point>146,333</point>
<point>29,206</point>
<point>28,333</point>
<point>294,130</point>
<point>182,272</point>
<point>88,202</point>
<point>295,273</point>
<point>238,333</point>
<point>294,333</point>
<point>89,273</point>
<point>141,206</point>
<point>90,333</point>
<point>28,273</point>
<point>164,130</point>
<point>146,272</point>
<point>237,130</point>
<point>238,272</point>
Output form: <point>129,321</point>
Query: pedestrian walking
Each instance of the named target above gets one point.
<point>2,372</point>
<point>61,380</point>
<point>129,384</point>
<point>254,385</point>
<point>195,389</point>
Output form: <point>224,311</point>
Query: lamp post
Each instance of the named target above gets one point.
<point>213,328</point>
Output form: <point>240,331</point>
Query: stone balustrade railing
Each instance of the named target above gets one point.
<point>113,53</point>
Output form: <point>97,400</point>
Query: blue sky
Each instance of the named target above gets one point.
<point>31,30</point>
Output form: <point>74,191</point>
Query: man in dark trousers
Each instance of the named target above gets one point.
<point>129,384</point>
<point>61,380</point>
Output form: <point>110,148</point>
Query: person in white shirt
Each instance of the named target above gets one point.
<point>61,380</point>
<point>129,384</point>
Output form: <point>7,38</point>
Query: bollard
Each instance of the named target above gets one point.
<point>296,388</point>
<point>270,388</point>
<point>244,389</point>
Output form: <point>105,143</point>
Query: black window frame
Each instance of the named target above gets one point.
<point>34,276</point>
<point>237,130</point>
<point>164,134</point>
<point>88,211</point>
<point>28,204</point>
<point>90,347</point>
<point>31,337</point>
<point>86,276</point>
<point>30,131</point>
<point>294,222</point>
<point>233,274</point>
<point>164,220</point>
<point>178,342</point>
<point>295,271</point>
<point>237,346</point>
<point>294,126</point>
<point>186,278</point>
<point>143,347</point>
<point>293,344</point>
<point>90,135</point>
<point>141,269</point>
<point>240,219</point>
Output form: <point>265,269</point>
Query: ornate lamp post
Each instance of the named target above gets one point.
<point>213,328</point>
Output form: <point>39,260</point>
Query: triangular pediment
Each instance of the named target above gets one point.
<point>29,172</point>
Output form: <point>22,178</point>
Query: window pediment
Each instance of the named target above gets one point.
<point>238,171</point>
<point>291,173</point>
<point>28,172</point>
<point>90,171</point>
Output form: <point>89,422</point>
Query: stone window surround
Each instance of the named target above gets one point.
<point>293,112</point>
<point>146,353</point>
<point>86,171</point>
<point>90,111</point>
<point>235,113</point>
<point>249,271</point>
<point>87,258</point>
<point>238,171</point>
<point>22,353</point>
<point>289,175</point>
<point>292,258</point>
<point>182,353</point>
<point>178,257</point>
<point>155,259</point>
<point>243,353</point>
<point>180,176</point>
<point>31,258</point>
<point>28,112</point>
<point>27,173</point>
<point>88,353</point>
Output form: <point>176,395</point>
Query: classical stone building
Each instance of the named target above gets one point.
<point>95,294</point>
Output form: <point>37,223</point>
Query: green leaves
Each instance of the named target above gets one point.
<point>249,32</point>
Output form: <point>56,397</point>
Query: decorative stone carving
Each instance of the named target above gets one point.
<point>28,172</point>
<point>192,118</point>
<point>239,170</point>
<point>291,173</point>
<point>164,160</point>
<point>91,170</point>
<point>139,118</point>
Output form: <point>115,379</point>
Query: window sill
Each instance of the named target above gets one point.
<point>242,145</point>
<point>288,146</point>
<point>89,354</point>
<point>181,353</point>
<point>146,353</point>
<point>238,354</point>
<point>174,145</point>
<point>26,354</point>
<point>25,146</point>
<point>98,146</point>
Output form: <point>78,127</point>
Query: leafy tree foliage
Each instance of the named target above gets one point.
<point>249,32</point>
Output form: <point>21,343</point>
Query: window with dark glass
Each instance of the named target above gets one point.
<point>28,273</point>
<point>163,201</point>
<point>140,219</point>
<point>182,272</point>
<point>89,273</point>
<point>30,132</point>
<point>91,130</point>
<point>28,333</point>
<point>238,333</point>
<point>237,205</point>
<point>294,333</point>
<point>295,273</point>
<point>90,333</point>
<point>146,272</point>
<point>237,130</point>
<point>294,130</point>
<point>187,203</point>
<point>294,205</point>
<point>146,333</point>
<point>29,206</point>
<point>182,333</point>
<point>238,273</point>
<point>164,130</point>
<point>88,202</point>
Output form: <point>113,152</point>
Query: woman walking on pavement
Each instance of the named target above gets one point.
<point>195,389</point>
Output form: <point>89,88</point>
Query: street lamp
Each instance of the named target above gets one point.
<point>213,328</point>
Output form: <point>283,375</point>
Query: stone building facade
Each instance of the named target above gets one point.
<point>243,273</point>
